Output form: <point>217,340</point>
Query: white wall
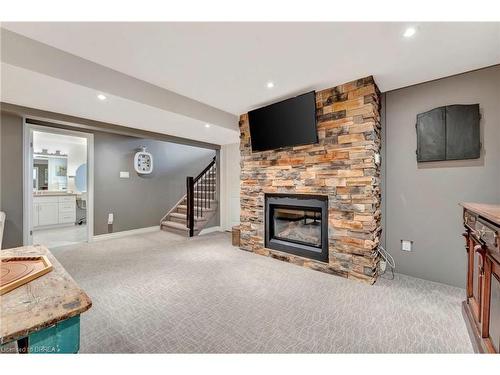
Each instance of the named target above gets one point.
<point>230,186</point>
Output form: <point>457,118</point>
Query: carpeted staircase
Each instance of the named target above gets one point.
<point>197,206</point>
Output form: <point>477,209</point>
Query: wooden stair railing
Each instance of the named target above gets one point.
<point>200,193</point>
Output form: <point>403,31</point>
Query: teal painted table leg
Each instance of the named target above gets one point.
<point>64,337</point>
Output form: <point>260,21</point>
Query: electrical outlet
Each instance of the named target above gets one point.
<point>110,218</point>
<point>406,245</point>
<point>124,175</point>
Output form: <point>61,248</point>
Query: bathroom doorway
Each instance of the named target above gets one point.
<point>58,186</point>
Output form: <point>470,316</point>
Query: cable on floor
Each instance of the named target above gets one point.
<point>388,260</point>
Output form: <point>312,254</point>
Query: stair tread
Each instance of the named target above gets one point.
<point>173,224</point>
<point>184,207</point>
<point>179,215</point>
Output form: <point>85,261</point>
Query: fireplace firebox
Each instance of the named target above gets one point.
<point>297,224</point>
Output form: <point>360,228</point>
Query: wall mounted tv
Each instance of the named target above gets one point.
<point>449,133</point>
<point>291,122</point>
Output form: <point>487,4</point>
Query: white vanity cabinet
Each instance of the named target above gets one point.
<point>67,209</point>
<point>45,211</point>
<point>54,210</point>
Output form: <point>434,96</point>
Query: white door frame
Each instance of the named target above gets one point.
<point>28,177</point>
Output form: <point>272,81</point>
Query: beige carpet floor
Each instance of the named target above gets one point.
<point>162,293</point>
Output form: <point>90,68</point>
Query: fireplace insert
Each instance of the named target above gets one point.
<point>297,224</point>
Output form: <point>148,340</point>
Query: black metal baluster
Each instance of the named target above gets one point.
<point>202,195</point>
<point>205,193</point>
<point>190,205</point>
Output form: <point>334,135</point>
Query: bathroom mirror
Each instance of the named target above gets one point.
<point>50,172</point>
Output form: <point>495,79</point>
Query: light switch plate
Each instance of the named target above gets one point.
<point>110,218</point>
<point>406,245</point>
<point>124,175</point>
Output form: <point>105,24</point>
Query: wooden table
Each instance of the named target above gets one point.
<point>43,316</point>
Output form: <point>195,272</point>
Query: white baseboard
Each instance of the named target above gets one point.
<point>210,230</point>
<point>125,233</point>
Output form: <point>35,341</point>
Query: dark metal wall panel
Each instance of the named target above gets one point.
<point>449,133</point>
<point>462,132</point>
<point>431,135</point>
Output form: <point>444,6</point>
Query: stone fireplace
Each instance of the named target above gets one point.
<point>318,205</point>
<point>297,224</point>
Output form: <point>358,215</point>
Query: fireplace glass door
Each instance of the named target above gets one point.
<point>297,225</point>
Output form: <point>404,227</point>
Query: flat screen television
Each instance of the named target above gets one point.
<point>291,122</point>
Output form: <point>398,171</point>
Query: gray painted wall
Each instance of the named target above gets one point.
<point>11,192</point>
<point>140,201</point>
<point>422,199</point>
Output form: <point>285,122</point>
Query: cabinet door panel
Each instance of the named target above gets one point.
<point>495,312</point>
<point>462,132</point>
<point>67,217</point>
<point>431,135</point>
<point>48,214</point>
<point>476,285</point>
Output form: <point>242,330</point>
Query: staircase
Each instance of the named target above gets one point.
<point>193,211</point>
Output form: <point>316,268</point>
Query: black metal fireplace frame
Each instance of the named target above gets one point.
<point>297,201</point>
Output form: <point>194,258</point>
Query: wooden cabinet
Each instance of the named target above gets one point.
<point>482,305</point>
<point>45,211</point>
<point>48,214</point>
<point>54,210</point>
<point>67,209</point>
<point>494,323</point>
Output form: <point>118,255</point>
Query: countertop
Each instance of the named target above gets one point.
<point>42,302</point>
<point>488,211</point>
<point>54,194</point>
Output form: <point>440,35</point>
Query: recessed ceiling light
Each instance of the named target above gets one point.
<point>270,85</point>
<point>101,97</point>
<point>207,125</point>
<point>409,32</point>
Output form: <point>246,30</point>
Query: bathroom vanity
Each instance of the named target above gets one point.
<point>53,209</point>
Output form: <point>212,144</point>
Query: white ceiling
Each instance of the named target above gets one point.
<point>227,65</point>
<point>31,89</point>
